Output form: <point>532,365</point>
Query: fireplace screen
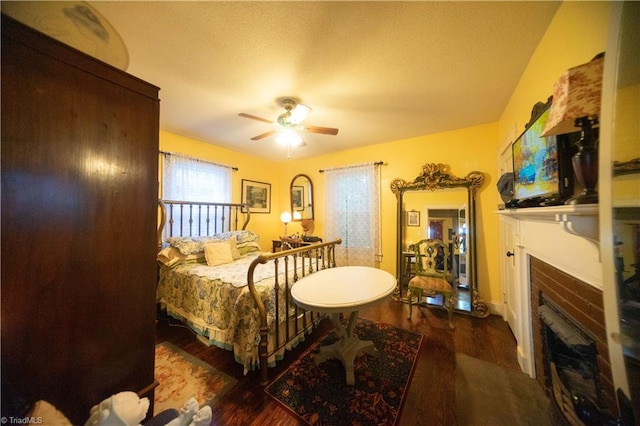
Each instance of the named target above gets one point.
<point>570,359</point>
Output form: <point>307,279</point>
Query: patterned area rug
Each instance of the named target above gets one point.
<point>319,394</point>
<point>182,376</point>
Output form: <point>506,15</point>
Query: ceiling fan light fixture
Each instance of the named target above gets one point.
<point>299,113</point>
<point>290,122</point>
<point>288,137</point>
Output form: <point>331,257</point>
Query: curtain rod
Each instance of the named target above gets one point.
<point>235,169</point>
<point>377,163</point>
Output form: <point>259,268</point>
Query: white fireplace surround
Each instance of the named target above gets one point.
<point>565,237</point>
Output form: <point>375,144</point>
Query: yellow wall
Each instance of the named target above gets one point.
<point>577,33</point>
<point>249,167</point>
<point>422,201</point>
<point>404,159</point>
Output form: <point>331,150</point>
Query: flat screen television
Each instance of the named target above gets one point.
<point>542,171</point>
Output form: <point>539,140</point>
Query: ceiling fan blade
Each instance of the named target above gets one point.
<point>253,117</point>
<point>264,135</point>
<point>322,130</point>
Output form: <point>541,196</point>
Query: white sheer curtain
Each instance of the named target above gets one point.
<point>185,178</point>
<point>190,179</point>
<point>352,212</point>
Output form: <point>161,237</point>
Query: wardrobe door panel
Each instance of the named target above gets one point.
<point>79,189</point>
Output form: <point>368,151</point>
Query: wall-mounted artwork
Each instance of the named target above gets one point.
<point>257,195</point>
<point>413,218</point>
<point>297,198</point>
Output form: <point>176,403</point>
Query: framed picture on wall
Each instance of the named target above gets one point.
<point>413,218</point>
<point>297,198</point>
<point>257,195</point>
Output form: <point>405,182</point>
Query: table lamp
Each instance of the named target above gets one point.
<point>576,107</point>
<point>285,218</point>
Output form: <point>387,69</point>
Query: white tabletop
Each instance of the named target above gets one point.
<point>345,288</point>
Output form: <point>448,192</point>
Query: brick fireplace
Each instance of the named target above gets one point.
<point>553,253</point>
<point>583,305</point>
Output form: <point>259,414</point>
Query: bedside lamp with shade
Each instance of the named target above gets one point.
<point>285,218</point>
<point>576,107</point>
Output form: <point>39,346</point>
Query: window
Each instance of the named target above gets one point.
<point>189,179</point>
<point>352,204</point>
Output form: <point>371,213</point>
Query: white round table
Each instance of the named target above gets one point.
<point>344,289</point>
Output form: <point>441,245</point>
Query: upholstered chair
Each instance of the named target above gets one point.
<point>431,275</point>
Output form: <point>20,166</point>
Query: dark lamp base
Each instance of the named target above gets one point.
<point>583,199</point>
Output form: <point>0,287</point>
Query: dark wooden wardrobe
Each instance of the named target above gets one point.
<point>79,193</point>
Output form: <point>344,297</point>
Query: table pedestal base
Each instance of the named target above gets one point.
<point>347,348</point>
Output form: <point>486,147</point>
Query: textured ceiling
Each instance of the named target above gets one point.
<point>378,71</point>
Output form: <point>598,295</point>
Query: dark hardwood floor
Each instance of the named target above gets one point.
<point>430,399</point>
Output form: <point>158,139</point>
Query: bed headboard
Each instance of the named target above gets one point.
<point>199,218</point>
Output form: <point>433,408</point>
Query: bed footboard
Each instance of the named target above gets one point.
<point>295,264</point>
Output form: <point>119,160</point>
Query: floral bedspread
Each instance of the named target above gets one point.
<point>215,302</point>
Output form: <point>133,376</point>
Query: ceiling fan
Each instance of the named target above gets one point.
<point>292,119</point>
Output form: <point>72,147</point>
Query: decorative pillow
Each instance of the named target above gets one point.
<point>248,247</point>
<point>190,245</point>
<point>171,256</point>
<point>233,243</point>
<point>240,236</point>
<point>218,253</point>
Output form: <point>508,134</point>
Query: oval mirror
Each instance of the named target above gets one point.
<point>301,194</point>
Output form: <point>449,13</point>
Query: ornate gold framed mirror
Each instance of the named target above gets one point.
<point>440,205</point>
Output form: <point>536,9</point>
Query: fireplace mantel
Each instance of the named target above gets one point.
<point>565,237</point>
<point>576,219</point>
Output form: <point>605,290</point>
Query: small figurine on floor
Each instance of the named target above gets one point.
<point>192,415</point>
<point>202,417</point>
<point>188,410</point>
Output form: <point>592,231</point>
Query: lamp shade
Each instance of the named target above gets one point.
<point>285,217</point>
<point>575,95</point>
